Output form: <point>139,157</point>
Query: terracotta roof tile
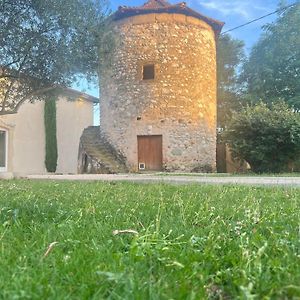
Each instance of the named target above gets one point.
<point>162,6</point>
<point>156,4</point>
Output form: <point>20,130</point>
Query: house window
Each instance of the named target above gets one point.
<point>3,150</point>
<point>148,72</point>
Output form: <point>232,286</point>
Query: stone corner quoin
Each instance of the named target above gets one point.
<point>178,104</point>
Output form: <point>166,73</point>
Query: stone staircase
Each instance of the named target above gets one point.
<point>97,156</point>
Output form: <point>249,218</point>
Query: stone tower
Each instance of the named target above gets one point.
<point>158,97</point>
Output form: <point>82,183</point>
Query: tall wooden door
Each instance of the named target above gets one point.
<point>150,152</point>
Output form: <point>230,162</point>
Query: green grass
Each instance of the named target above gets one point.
<point>194,242</point>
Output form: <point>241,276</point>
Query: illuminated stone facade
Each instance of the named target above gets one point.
<point>179,103</point>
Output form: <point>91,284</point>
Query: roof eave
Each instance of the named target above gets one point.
<point>124,13</point>
<point>79,94</point>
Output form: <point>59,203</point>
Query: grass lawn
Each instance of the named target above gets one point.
<point>194,242</point>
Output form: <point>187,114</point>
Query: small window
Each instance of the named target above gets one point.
<point>148,72</point>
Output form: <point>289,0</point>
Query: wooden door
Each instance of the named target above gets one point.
<point>150,152</point>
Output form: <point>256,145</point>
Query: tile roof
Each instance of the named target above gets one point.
<point>78,94</point>
<point>156,4</point>
<point>162,6</point>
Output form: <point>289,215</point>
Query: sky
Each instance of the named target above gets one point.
<point>232,12</point>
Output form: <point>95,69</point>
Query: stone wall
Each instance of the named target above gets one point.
<point>179,104</point>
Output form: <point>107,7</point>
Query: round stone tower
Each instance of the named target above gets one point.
<point>158,97</point>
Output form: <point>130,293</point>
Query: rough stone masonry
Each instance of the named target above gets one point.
<point>179,103</point>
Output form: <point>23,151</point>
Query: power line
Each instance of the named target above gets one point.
<point>255,20</point>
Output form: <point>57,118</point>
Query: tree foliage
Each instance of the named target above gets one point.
<point>50,135</point>
<point>45,44</point>
<point>267,137</point>
<point>230,54</point>
<point>272,71</point>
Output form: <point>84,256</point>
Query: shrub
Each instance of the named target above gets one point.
<point>267,137</point>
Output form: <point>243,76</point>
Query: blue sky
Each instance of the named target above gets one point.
<point>232,12</point>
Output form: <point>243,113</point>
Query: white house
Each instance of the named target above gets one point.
<point>22,135</point>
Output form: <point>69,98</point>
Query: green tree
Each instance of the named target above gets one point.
<point>267,137</point>
<point>230,54</point>
<point>45,44</point>
<point>50,135</point>
<point>272,70</point>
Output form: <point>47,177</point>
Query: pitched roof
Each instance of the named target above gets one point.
<point>64,89</point>
<point>78,94</point>
<point>162,6</point>
<point>156,4</point>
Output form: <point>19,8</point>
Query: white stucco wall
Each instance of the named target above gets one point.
<point>26,140</point>
<point>26,136</point>
<point>72,118</point>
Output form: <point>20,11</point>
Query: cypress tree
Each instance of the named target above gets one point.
<point>50,134</point>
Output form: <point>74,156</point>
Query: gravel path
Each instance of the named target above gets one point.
<point>201,179</point>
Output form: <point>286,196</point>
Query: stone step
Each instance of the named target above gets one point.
<point>100,156</point>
